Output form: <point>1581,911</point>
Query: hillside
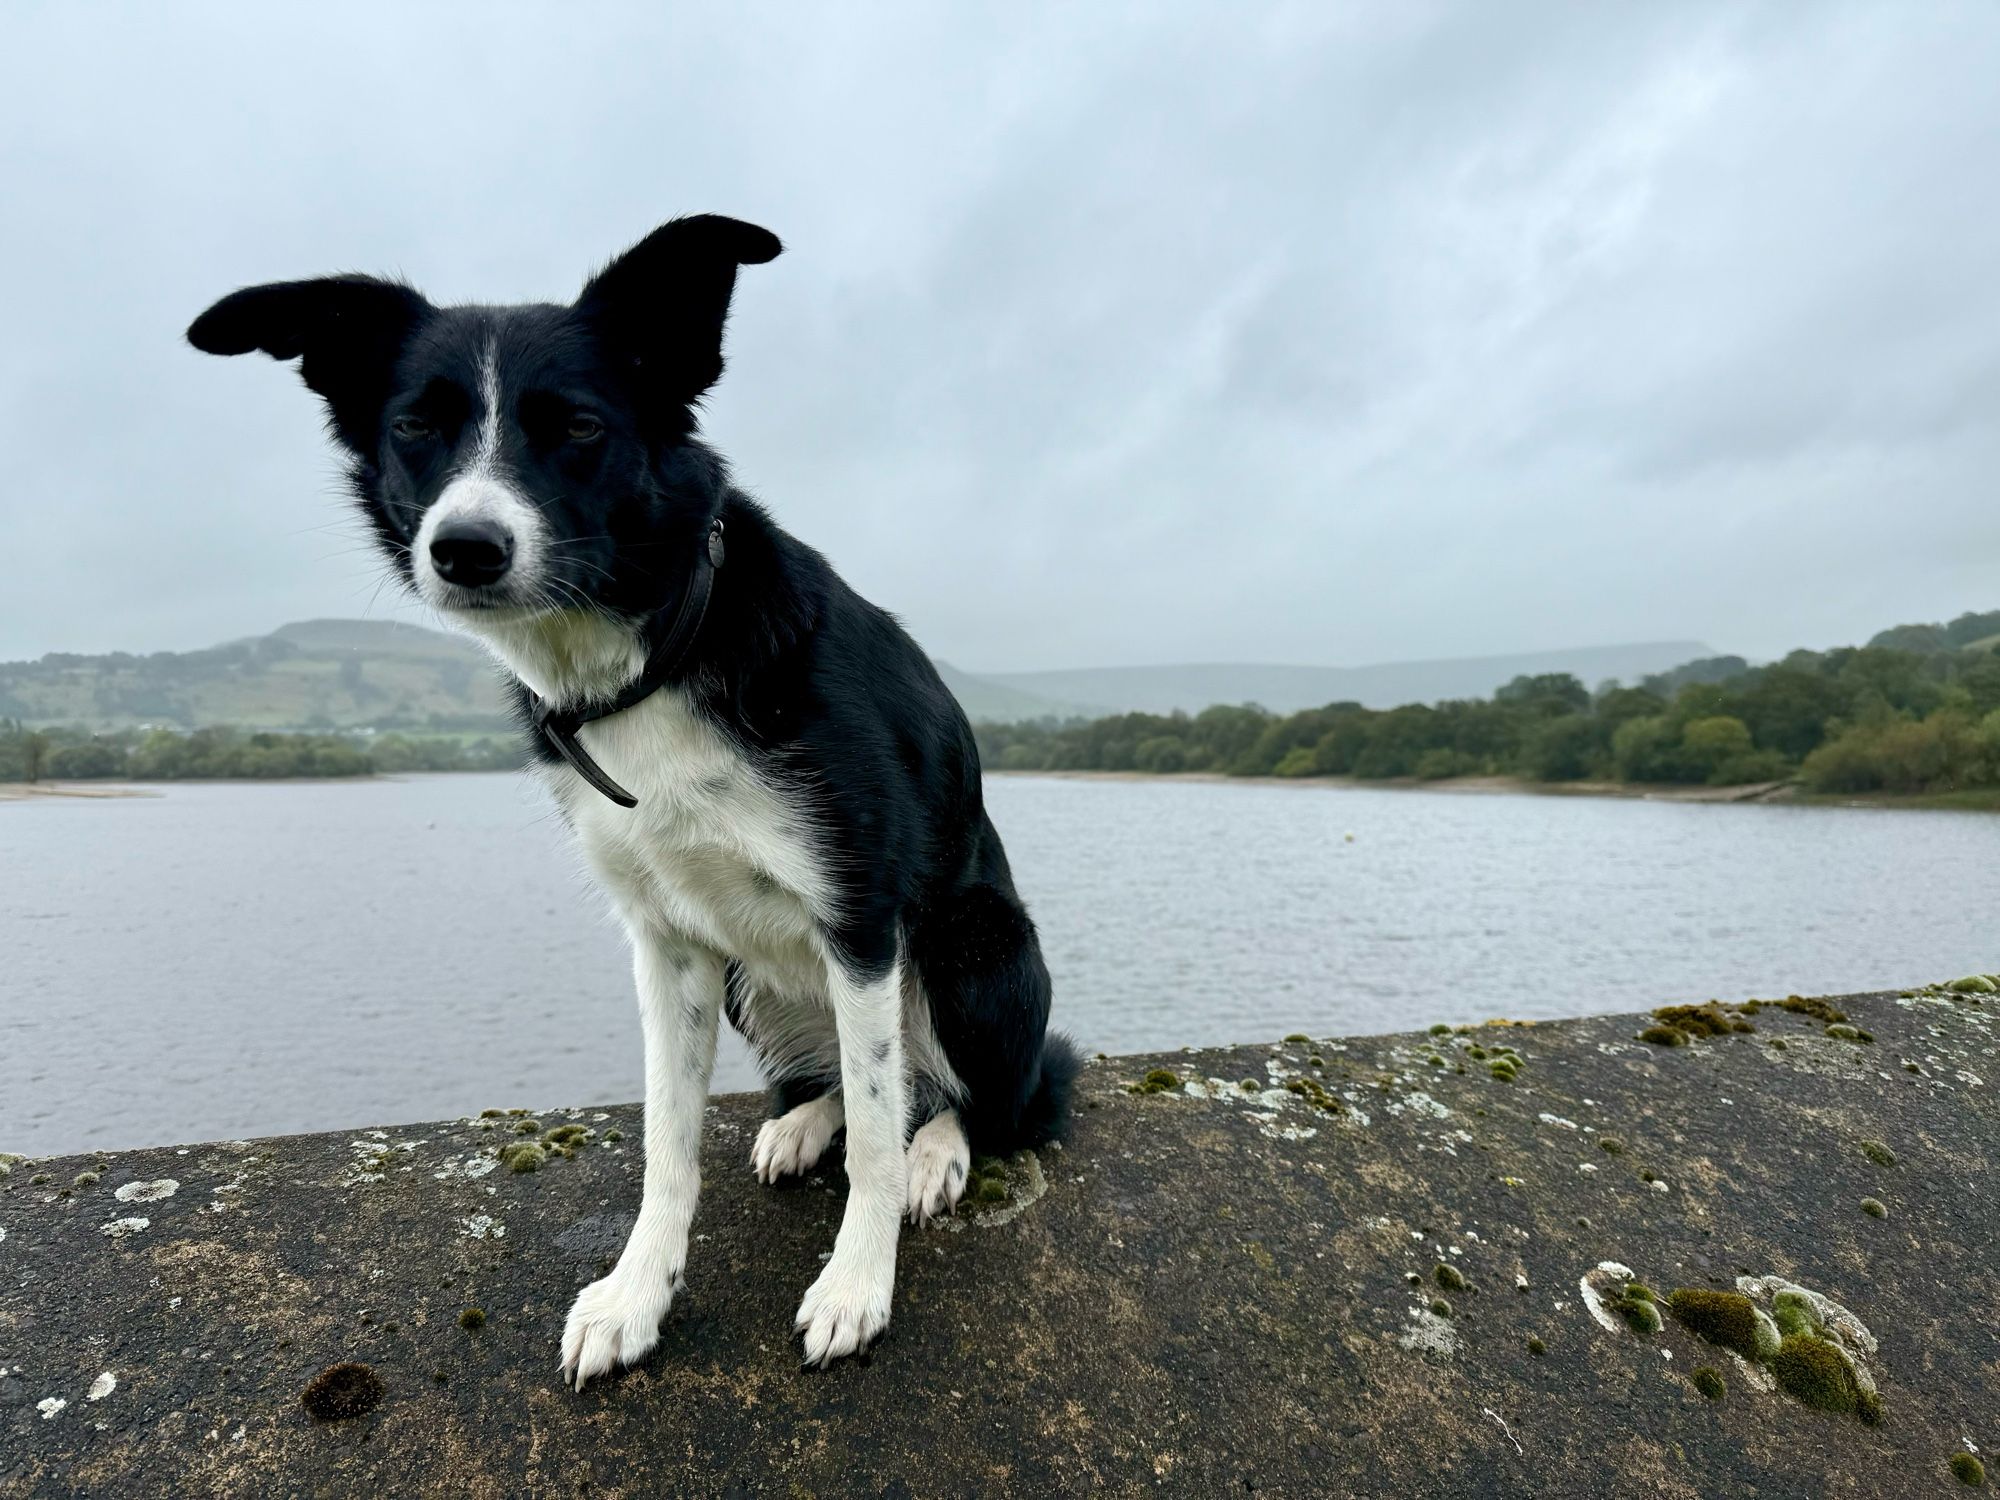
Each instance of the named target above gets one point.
<point>315,674</point>
<point>1285,689</point>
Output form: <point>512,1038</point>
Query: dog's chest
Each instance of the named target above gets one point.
<point>712,850</point>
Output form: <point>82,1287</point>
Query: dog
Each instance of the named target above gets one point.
<point>765,773</point>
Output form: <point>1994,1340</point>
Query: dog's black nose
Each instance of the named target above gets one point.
<point>472,552</point>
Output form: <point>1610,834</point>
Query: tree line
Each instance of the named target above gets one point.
<point>1917,710</point>
<point>228,754</point>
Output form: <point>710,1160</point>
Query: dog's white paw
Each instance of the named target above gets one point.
<point>795,1141</point>
<point>613,1322</point>
<point>938,1160</point>
<point>846,1309</point>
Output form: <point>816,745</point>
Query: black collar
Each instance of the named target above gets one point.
<point>559,726</point>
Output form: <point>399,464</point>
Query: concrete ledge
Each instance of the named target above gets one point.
<point>1212,1290</point>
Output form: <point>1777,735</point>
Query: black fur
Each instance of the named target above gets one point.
<point>821,689</point>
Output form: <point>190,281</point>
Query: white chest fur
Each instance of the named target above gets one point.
<point>713,850</point>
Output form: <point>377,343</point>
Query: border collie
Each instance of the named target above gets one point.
<point>764,771</point>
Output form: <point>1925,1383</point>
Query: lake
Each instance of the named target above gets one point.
<point>236,959</point>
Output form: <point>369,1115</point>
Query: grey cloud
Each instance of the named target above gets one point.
<point>1105,335</point>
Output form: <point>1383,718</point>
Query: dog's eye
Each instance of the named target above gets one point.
<point>584,428</point>
<point>410,429</point>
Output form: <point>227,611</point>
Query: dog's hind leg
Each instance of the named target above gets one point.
<point>938,1159</point>
<point>794,1142</point>
<point>616,1320</point>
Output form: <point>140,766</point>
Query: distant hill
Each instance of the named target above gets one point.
<point>1284,690</point>
<point>315,674</point>
<point>381,674</point>
<point>334,674</point>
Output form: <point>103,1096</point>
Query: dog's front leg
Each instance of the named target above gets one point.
<point>849,1304</point>
<point>616,1321</point>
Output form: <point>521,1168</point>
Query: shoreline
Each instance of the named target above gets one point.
<point>1770,793</point>
<point>1773,793</point>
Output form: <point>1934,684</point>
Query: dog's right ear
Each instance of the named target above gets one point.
<point>346,331</point>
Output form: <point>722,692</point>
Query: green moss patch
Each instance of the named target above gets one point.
<point>1725,1318</point>
<point>1315,1093</point>
<point>1664,1036</point>
<point>1874,1208</point>
<point>472,1318</point>
<point>1878,1153</point>
<point>1448,1276</point>
<point>523,1156</point>
<point>1708,1380</point>
<point>1159,1081</point>
<point>1968,1470</point>
<point>1816,1373</point>
<point>1697,1021</point>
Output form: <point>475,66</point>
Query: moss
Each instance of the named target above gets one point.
<point>1819,1010</point>
<point>1708,1380</point>
<point>1448,1276</point>
<point>85,1179</point>
<point>1778,1043</point>
<point>1968,1470</point>
<point>1794,1313</point>
<point>1440,1029</point>
<point>1725,1318</point>
<point>1536,1347</point>
<point>1878,1153</point>
<point>614,1134</point>
<point>1640,1290</point>
<point>1296,1036</point>
<point>1868,1407</point>
<point>1641,1314</point>
<point>493,1114</point>
<point>1441,1307</point>
<point>1314,1093</point>
<point>38,1179</point>
<point>527,1127</point>
<point>472,1318</point>
<point>1503,1070</point>
<point>522,1156</point>
<point>1705,1020</point>
<point>990,1190</point>
<point>1815,1372</point>
<point>1973,984</point>
<point>342,1391</point>
<point>1612,1144</point>
<point>1476,1052</point>
<point>568,1135</point>
<point>1159,1081</point>
<point>1841,1032</point>
<point>1663,1036</point>
<point>1316,1061</point>
<point>1873,1208</point>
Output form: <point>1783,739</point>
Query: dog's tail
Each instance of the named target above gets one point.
<point>1045,1117</point>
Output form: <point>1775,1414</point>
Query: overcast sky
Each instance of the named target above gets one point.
<point>1349,334</point>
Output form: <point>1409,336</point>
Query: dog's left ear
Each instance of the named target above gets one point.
<point>347,333</point>
<point>660,307</point>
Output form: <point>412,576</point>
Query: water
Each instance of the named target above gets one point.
<point>237,960</point>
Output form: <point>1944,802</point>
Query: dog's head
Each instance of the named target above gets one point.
<point>520,460</point>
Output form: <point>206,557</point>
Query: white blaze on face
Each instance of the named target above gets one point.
<point>481,490</point>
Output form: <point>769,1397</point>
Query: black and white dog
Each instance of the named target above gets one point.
<point>765,773</point>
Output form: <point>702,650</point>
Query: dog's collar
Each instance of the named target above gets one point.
<point>559,726</point>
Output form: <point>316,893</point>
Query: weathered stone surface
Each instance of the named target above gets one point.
<point>1210,1291</point>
